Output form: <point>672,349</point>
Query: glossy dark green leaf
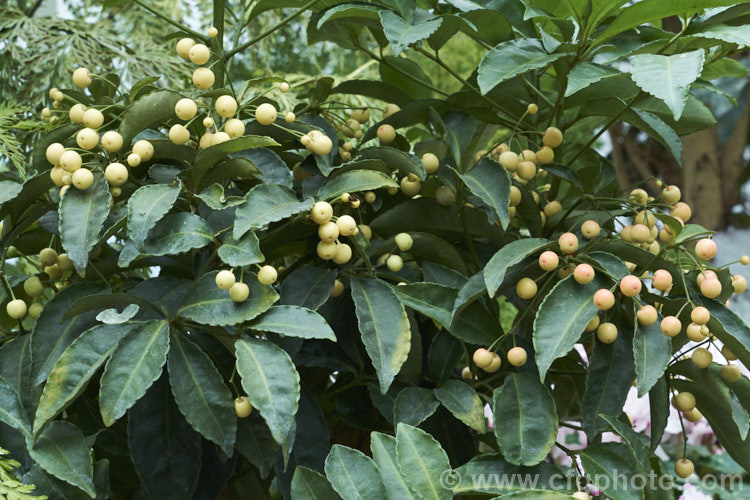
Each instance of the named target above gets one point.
<point>255,442</point>
<point>353,181</point>
<point>423,462</point>
<point>134,366</point>
<point>271,383</point>
<point>666,134</point>
<point>146,112</point>
<point>353,474</point>
<point>310,485</point>
<point>51,334</point>
<point>729,329</point>
<point>165,451</point>
<point>214,197</point>
<point>242,252</point>
<point>383,449</point>
<point>177,233</point>
<point>443,356</point>
<point>493,465</point>
<point>464,403</point>
<point>605,460</point>
<point>9,190</point>
<point>62,451</point>
<point>147,206</point>
<point>384,327</point>
<point>266,203</point>
<point>308,286</point>
<point>507,256</point>
<point>12,412</point>
<point>15,368</point>
<point>658,399</point>
<point>293,321</point>
<point>529,419</point>
<point>668,77</point>
<point>636,442</point>
<point>102,301</point>
<point>81,220</point>
<point>207,304</point>
<point>208,158</point>
<point>395,159</point>
<point>74,368</point>
<point>401,33</point>
<point>652,351</point>
<point>201,394</point>
<point>474,288</point>
<point>608,380</point>
<point>414,405</point>
<point>491,183</point>
<point>562,317</point>
<point>512,58</point>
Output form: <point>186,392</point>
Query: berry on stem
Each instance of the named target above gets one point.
<point>239,292</point>
<point>267,275</point>
<point>225,279</point>
<point>526,288</point>
<point>604,299</point>
<point>242,407</point>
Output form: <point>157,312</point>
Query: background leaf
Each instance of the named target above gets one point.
<point>352,474</point>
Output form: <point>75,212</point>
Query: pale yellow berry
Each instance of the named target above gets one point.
<point>116,174</point>
<point>343,253</point>
<point>213,32</point>
<point>82,178</point>
<point>266,114</point>
<point>70,161</point>
<point>134,160</point>
<point>178,134</point>
<point>430,162</point>
<point>226,106</point>
<point>394,263</point>
<point>234,128</point>
<point>203,78</point>
<point>404,242</point>
<point>225,279</point>
<point>87,138</point>
<point>54,152</point>
<point>199,54</point>
<point>76,113</point>
<point>267,275</point>
<point>321,212</point>
<point>82,77</point>
<point>347,225</point>
<point>186,109</point>
<point>111,141</point>
<point>184,46</point>
<point>144,149</point>
<point>239,292</point>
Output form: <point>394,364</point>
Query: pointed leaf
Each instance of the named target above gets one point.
<point>271,383</point>
<point>242,252</point>
<point>146,206</point>
<point>668,77</point>
<point>308,286</point>
<point>62,451</point>
<point>384,327</point>
<point>165,451</point>
<point>666,134</point>
<point>201,394</point>
<point>211,156</point>
<point>81,219</point>
<point>562,317</point>
<point>384,453</point>
<point>150,109</point>
<point>352,474</point>
<point>134,366</point>
<point>414,405</point>
<point>353,181</point>
<point>12,412</point>
<point>510,255</point>
<point>207,304</point>
<point>9,190</point>
<point>310,485</point>
<point>74,369</point>
<point>652,351</point>
<point>464,403</point>
<point>423,461</point>
<point>52,334</point>
<point>603,461</point>
<point>266,203</point>
<point>177,233</point>
<point>395,159</point>
<point>511,58</point>
<point>491,183</point>
<point>293,321</point>
<point>740,416</point>
<point>529,419</point>
<point>401,34</point>
<point>214,197</point>
<point>585,74</point>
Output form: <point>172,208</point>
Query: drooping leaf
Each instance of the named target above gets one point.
<point>9,190</point>
<point>12,412</point>
<point>668,77</point>
<point>401,33</point>
<point>511,58</point>
<point>658,399</point>
<point>212,156</point>
<point>384,453</point>
<point>586,73</point>
<point>507,256</point>
<point>353,474</point>
<point>443,355</point>
<point>271,383</point>
<point>464,403</point>
<point>667,135</point>
<point>62,451</point>
<point>423,461</point>
<point>207,304</point>
<point>652,351</point>
<point>353,181</point>
<point>75,367</point>
<point>414,405</point>
<point>150,109</point>
<point>81,219</point>
<point>266,203</point>
<point>609,378</point>
<point>562,317</point>
<point>214,197</point>
<point>134,366</point>
<point>293,321</point>
<point>606,459</point>
<point>165,451</point>
<point>200,393</point>
<point>308,286</point>
<point>308,484</point>
<point>146,206</point>
<point>242,252</point>
<point>490,181</point>
<point>177,233</point>
<point>395,159</point>
<point>384,327</point>
<point>529,419</point>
